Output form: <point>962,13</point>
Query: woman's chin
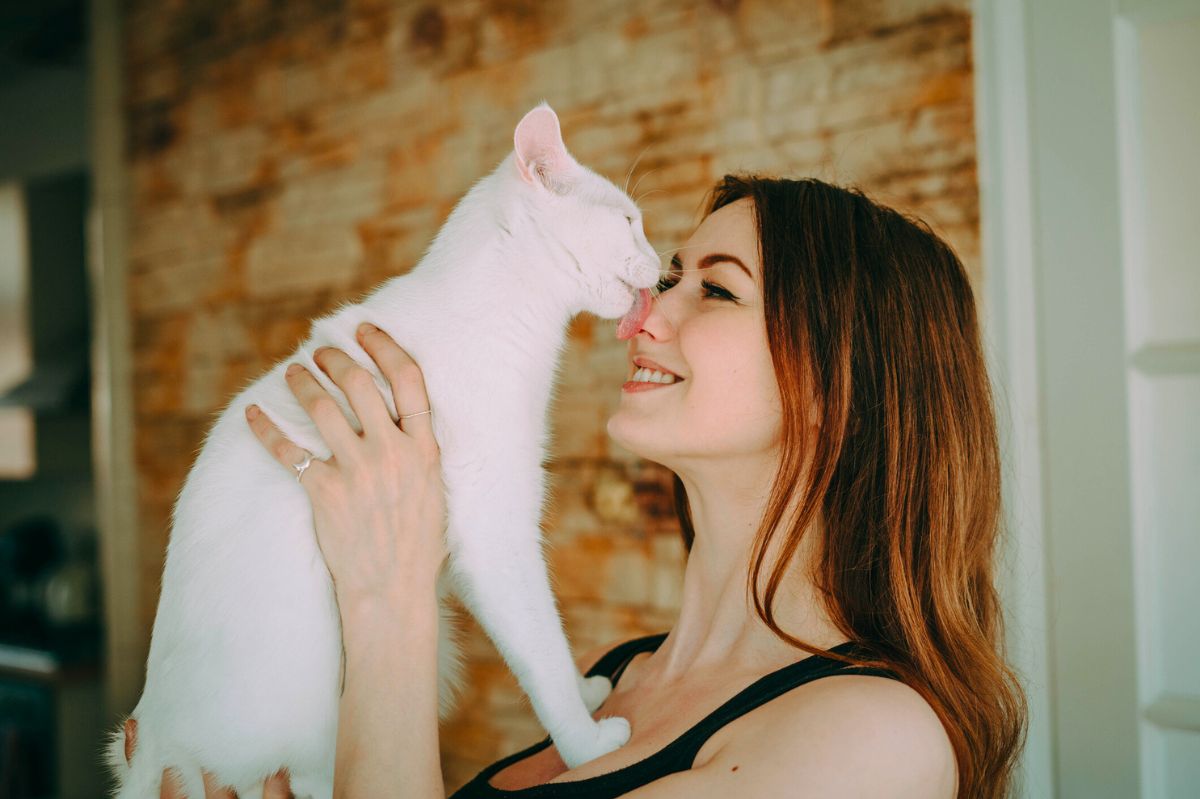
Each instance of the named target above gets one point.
<point>629,440</point>
<point>615,429</point>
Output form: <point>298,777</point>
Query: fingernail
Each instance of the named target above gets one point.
<point>130,734</point>
<point>365,328</point>
<point>318,351</point>
<point>293,369</point>
<point>252,412</point>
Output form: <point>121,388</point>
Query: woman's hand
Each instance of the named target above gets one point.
<point>379,504</point>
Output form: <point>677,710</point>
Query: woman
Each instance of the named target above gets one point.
<point>837,484</point>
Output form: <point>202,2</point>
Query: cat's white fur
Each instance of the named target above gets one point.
<point>245,659</point>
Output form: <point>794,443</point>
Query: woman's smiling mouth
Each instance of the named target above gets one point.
<point>645,379</point>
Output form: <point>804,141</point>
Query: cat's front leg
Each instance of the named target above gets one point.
<point>500,574</point>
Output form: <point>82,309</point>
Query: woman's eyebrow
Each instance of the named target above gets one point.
<point>714,258</point>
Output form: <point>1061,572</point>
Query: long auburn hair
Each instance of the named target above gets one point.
<point>871,313</point>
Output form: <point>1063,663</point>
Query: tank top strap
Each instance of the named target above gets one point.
<point>612,664</point>
<point>684,749</point>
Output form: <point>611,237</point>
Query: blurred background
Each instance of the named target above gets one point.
<point>184,184</point>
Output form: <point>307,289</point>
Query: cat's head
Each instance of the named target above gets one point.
<point>588,225</point>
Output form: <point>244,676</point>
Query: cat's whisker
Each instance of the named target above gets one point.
<point>674,250</point>
<point>647,194</point>
<point>643,177</point>
<point>635,163</point>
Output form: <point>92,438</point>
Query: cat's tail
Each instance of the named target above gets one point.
<point>141,776</point>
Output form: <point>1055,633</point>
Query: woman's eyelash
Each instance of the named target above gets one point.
<point>663,285</point>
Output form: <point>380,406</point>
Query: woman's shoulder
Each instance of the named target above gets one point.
<point>848,732</point>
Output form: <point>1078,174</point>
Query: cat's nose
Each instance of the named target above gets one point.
<point>648,273</point>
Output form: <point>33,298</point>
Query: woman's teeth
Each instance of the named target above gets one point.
<point>650,376</point>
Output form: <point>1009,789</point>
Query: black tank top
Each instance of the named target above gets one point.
<point>675,756</point>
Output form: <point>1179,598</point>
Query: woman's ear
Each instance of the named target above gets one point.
<point>541,157</point>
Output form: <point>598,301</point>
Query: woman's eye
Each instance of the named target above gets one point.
<point>712,288</point>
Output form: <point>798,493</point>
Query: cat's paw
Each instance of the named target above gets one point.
<point>606,735</point>
<point>594,691</point>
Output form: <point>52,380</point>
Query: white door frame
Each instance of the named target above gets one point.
<point>1048,76</point>
<point>1002,121</point>
<point>1051,231</point>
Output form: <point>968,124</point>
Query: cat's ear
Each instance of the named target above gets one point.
<point>540,155</point>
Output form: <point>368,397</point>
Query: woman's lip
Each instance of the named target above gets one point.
<point>649,364</point>
<point>637,386</point>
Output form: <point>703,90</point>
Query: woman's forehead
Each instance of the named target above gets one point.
<point>730,229</point>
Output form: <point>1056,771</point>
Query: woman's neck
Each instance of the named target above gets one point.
<point>718,627</point>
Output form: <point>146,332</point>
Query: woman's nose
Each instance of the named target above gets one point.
<point>658,322</point>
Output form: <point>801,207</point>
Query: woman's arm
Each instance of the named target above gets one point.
<point>387,743</point>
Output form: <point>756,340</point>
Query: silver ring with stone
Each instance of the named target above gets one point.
<point>300,467</point>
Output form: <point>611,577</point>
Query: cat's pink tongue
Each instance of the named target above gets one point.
<point>632,321</point>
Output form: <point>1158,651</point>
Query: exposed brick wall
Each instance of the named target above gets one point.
<point>287,156</point>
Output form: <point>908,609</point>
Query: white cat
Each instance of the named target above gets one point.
<point>244,668</point>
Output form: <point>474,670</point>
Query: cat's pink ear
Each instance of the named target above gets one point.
<point>541,156</point>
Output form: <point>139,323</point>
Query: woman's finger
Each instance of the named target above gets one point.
<point>214,791</point>
<point>278,786</point>
<point>359,387</point>
<point>407,382</point>
<point>280,447</point>
<point>171,787</point>
<point>324,411</point>
<point>130,737</point>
